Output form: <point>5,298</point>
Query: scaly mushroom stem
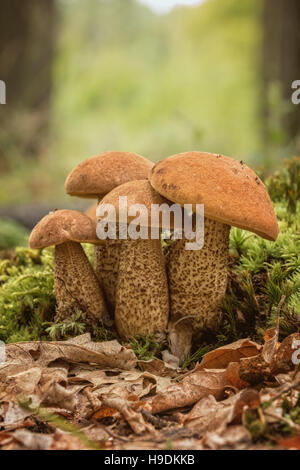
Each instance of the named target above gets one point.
<point>142,298</point>
<point>106,265</point>
<point>76,284</point>
<point>197,285</point>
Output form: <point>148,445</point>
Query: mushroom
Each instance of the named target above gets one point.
<point>93,178</point>
<point>232,195</point>
<point>75,282</point>
<point>91,211</point>
<point>142,298</point>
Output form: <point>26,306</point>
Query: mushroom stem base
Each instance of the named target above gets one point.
<point>106,265</point>
<point>142,299</point>
<point>198,281</point>
<point>76,285</point>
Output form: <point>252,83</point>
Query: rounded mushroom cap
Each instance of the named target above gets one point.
<point>98,175</point>
<point>61,226</point>
<point>230,191</point>
<point>91,211</point>
<point>137,192</point>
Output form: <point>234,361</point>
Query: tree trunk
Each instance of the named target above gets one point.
<point>281,66</point>
<point>26,53</point>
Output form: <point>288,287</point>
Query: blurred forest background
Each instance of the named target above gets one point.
<point>86,76</point>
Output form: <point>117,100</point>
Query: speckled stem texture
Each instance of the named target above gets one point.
<point>198,279</point>
<point>76,285</point>
<point>106,265</point>
<point>142,299</point>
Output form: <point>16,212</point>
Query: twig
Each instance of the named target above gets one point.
<point>279,307</point>
<point>287,421</point>
<point>112,434</point>
<point>157,422</point>
<point>286,389</point>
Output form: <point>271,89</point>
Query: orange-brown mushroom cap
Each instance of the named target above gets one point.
<point>137,192</point>
<point>98,175</point>
<point>91,211</point>
<point>61,226</point>
<point>230,191</point>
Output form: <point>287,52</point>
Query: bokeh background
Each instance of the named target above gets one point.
<point>155,77</point>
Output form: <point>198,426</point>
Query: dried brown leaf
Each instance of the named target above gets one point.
<point>190,390</point>
<point>233,376</point>
<point>108,354</point>
<point>233,437</point>
<point>215,418</point>
<point>134,418</point>
<point>221,357</point>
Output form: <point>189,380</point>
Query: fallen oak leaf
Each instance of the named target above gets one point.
<point>190,390</point>
<point>104,412</point>
<point>53,389</point>
<point>134,419</point>
<point>210,415</point>
<point>32,440</point>
<point>160,368</point>
<point>233,437</point>
<point>291,443</point>
<point>206,406</point>
<point>108,354</point>
<point>13,414</point>
<point>67,441</point>
<point>221,357</point>
<point>5,438</point>
<point>259,368</point>
<point>22,382</point>
<point>121,383</point>
<point>233,376</point>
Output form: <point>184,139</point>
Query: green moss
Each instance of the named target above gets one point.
<point>285,184</point>
<point>27,298</point>
<point>146,347</point>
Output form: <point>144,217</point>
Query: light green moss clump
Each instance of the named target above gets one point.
<point>27,298</point>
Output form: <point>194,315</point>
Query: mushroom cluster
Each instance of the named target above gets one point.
<point>133,283</point>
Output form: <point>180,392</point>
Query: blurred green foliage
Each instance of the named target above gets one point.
<point>12,234</point>
<point>128,79</point>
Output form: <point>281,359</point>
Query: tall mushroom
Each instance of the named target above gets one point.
<point>93,178</point>
<point>233,195</point>
<point>75,283</point>
<point>142,299</point>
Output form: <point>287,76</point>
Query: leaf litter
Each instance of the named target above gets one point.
<point>80,394</point>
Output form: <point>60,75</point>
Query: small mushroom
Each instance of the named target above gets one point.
<point>75,282</point>
<point>232,195</point>
<point>142,298</point>
<point>93,178</point>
